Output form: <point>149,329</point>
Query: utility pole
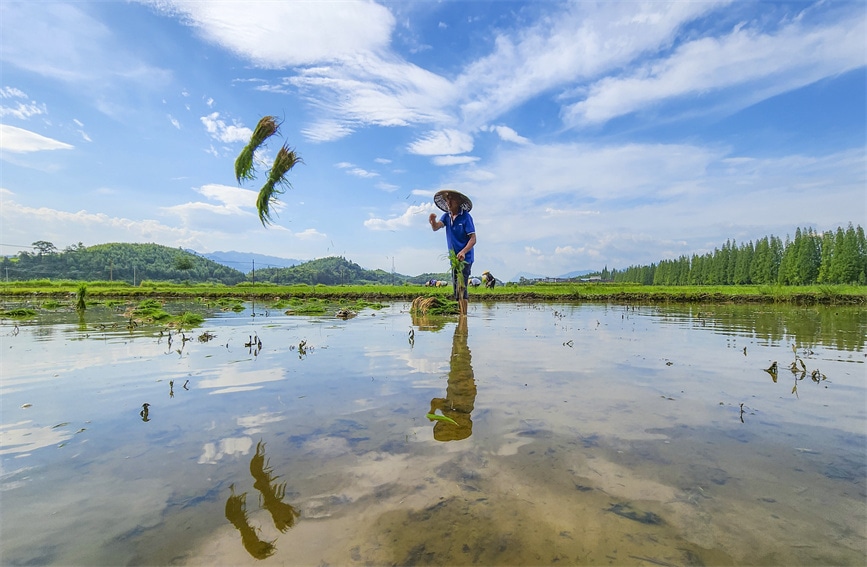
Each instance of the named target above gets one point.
<point>133,276</point>
<point>254,273</point>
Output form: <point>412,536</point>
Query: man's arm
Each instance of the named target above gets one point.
<point>435,223</point>
<point>468,247</point>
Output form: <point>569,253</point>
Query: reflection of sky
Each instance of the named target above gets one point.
<point>22,438</point>
<point>237,379</point>
<point>579,370</point>
<point>213,451</point>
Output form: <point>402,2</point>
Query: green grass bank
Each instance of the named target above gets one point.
<point>599,292</point>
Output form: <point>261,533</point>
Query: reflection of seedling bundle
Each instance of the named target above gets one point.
<point>271,499</point>
<point>236,513</point>
<point>272,493</point>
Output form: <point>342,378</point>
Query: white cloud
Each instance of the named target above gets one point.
<point>227,133</point>
<point>506,134</point>
<point>12,92</point>
<point>387,186</point>
<point>571,43</point>
<point>453,160</point>
<point>174,122</point>
<point>327,131</point>
<point>18,140</point>
<point>768,63</point>
<point>20,110</point>
<point>358,172</point>
<point>442,142</point>
<point>310,234</point>
<point>21,221</point>
<point>63,42</point>
<point>294,30</point>
<point>410,217</point>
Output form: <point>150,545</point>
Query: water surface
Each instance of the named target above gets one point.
<point>575,434</point>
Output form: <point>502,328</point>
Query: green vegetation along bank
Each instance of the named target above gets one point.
<point>36,290</point>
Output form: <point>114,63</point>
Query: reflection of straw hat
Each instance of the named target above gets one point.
<point>440,200</point>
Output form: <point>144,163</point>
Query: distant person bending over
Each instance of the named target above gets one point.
<point>460,236</point>
<point>489,279</point>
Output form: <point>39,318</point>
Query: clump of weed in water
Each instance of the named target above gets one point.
<point>19,313</point>
<point>80,298</point>
<point>188,319</point>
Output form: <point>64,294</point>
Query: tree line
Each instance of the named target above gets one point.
<point>831,257</point>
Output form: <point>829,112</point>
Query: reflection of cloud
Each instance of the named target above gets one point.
<point>234,379</point>
<point>16,439</point>
<point>253,424</point>
<point>212,452</point>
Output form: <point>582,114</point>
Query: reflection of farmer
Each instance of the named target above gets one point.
<point>460,236</point>
<point>460,393</point>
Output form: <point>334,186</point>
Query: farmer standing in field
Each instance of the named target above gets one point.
<point>460,237</point>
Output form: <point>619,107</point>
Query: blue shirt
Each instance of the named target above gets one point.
<point>458,234</point>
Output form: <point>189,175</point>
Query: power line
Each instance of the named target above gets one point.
<point>17,245</point>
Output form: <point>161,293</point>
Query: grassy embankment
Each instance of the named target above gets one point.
<point>601,292</point>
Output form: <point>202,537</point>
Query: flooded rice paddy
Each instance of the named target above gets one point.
<point>526,434</point>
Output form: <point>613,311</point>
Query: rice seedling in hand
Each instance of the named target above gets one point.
<point>276,182</point>
<point>457,266</point>
<point>266,128</point>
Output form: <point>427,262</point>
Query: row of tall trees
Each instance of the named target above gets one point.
<point>831,257</point>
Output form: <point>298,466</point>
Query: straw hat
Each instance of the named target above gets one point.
<point>440,200</point>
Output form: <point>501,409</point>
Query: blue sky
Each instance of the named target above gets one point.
<point>587,134</point>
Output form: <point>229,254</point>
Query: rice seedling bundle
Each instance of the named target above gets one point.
<point>276,183</point>
<point>266,128</point>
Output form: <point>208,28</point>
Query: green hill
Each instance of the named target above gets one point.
<point>333,270</point>
<point>117,262</point>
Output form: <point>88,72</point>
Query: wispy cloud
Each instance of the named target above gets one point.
<point>18,140</point>
<point>769,63</point>
<point>21,110</point>
<point>442,142</point>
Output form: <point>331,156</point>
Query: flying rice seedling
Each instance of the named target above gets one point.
<point>276,182</point>
<point>244,169</point>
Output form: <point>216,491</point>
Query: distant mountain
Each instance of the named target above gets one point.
<point>576,274</point>
<point>243,261</point>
